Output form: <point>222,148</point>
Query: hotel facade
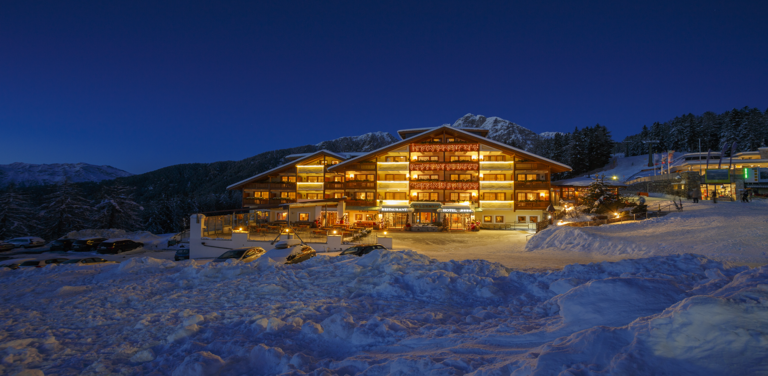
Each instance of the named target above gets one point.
<point>433,176</point>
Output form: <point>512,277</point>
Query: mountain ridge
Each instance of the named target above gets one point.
<point>30,174</point>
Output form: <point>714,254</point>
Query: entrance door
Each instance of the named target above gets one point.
<point>330,218</point>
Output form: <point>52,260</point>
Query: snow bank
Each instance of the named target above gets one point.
<point>727,231</point>
<point>150,240</point>
<point>387,313</point>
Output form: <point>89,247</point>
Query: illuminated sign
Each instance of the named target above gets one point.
<point>718,176</point>
<point>452,210</point>
<point>395,210</point>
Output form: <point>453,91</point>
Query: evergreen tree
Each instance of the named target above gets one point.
<point>16,215</point>
<point>117,209</point>
<point>64,210</point>
<point>578,153</point>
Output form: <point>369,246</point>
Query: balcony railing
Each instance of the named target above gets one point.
<point>334,185</point>
<point>353,202</point>
<point>459,186</point>
<point>523,185</point>
<point>533,205</point>
<point>277,185</point>
<point>264,201</point>
<point>530,166</point>
<point>360,184</point>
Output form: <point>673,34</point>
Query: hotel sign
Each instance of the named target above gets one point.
<point>444,166</point>
<point>717,176</point>
<point>438,148</point>
<point>457,210</point>
<point>429,185</point>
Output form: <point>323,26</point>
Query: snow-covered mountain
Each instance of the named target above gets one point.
<point>26,174</point>
<point>500,130</point>
<point>366,142</point>
<point>548,135</point>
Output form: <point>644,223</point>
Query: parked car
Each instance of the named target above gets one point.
<point>360,250</point>
<point>243,255</point>
<point>61,244</point>
<point>87,244</point>
<point>6,246</point>
<point>181,254</point>
<point>303,253</point>
<point>87,261</point>
<point>289,251</point>
<point>14,263</point>
<point>114,246</point>
<point>26,242</point>
<point>42,263</point>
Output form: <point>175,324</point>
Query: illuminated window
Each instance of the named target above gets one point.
<point>461,177</point>
<point>303,217</point>
<point>395,196</point>
<point>493,196</point>
<point>534,218</point>
<point>394,177</point>
<point>358,217</point>
<point>534,177</point>
<point>261,194</point>
<point>428,177</point>
<point>396,159</point>
<point>288,179</point>
<point>314,196</point>
<point>487,218</point>
<point>290,195</point>
<point>427,196</point>
<point>460,196</point>
<point>313,179</point>
<point>499,219</point>
<point>456,158</point>
<point>282,216</point>
<point>521,219</point>
<point>338,195</point>
<point>370,217</point>
<point>494,177</point>
<point>364,196</point>
<point>495,158</point>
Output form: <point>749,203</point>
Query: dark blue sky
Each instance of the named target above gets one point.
<point>143,85</point>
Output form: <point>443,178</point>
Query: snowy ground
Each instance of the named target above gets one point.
<point>403,312</point>
<point>396,313</point>
<point>734,232</point>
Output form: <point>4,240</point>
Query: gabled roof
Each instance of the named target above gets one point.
<point>558,167</point>
<point>483,132</point>
<point>284,167</point>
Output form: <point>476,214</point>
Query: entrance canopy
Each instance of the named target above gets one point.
<point>426,205</point>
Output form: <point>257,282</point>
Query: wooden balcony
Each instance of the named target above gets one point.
<point>532,185</point>
<point>531,166</point>
<point>265,186</point>
<point>535,205</point>
<point>334,185</point>
<point>264,201</point>
<point>360,184</point>
<point>353,202</point>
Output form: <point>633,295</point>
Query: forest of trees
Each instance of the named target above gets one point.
<point>748,127</point>
<point>583,149</point>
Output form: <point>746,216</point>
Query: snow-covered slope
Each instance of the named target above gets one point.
<point>25,174</point>
<point>500,130</point>
<point>366,142</point>
<point>548,135</point>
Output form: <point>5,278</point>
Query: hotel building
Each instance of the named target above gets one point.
<point>431,176</point>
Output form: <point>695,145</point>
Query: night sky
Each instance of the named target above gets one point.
<point>143,85</point>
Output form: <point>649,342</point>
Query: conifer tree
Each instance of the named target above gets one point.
<point>16,215</point>
<point>116,208</point>
<point>64,210</point>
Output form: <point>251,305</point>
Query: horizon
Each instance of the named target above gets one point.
<point>143,86</point>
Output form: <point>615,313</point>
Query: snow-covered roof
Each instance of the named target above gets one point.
<point>459,131</point>
<point>265,173</point>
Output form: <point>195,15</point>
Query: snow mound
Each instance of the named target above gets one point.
<point>720,334</point>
